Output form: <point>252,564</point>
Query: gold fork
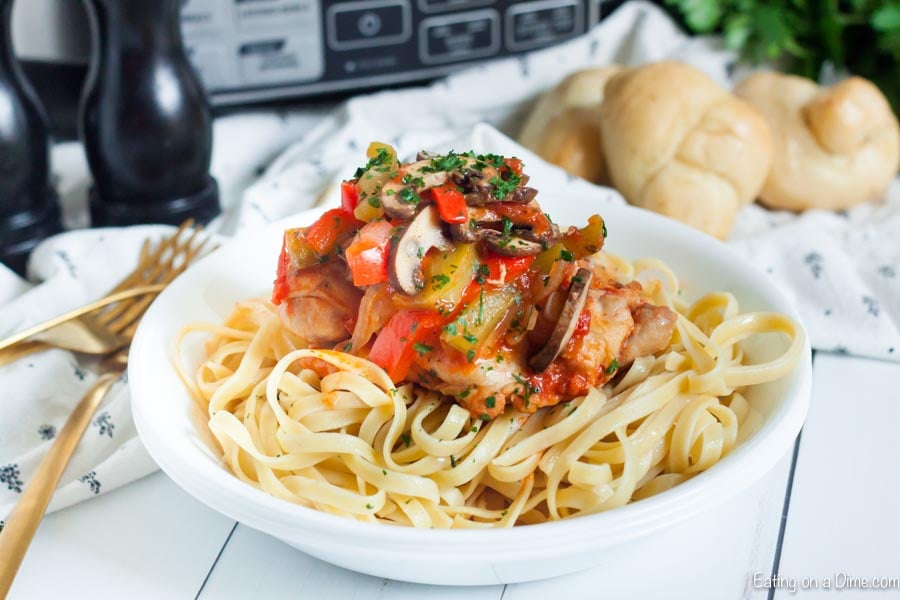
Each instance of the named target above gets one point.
<point>106,325</point>
<point>121,323</point>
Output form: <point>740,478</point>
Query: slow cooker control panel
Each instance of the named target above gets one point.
<point>258,49</point>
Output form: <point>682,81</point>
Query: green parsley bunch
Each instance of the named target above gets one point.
<point>862,36</point>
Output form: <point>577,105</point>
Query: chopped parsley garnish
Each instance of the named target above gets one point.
<point>452,462</point>
<point>484,417</point>
<point>383,472</point>
<point>348,346</point>
<point>482,272</point>
<point>604,230</point>
<point>374,202</point>
<point>474,429</point>
<point>381,159</point>
<point>369,506</point>
<point>495,160</point>
<point>416,181</point>
<point>439,281</point>
<point>507,226</point>
<point>409,196</point>
<point>613,366</point>
<point>504,187</point>
<point>566,255</point>
<point>406,439</point>
<point>422,349</point>
<point>450,328</point>
<point>449,162</point>
<point>529,389</point>
<point>463,393</point>
<point>480,318</point>
<point>470,355</point>
<point>490,401</point>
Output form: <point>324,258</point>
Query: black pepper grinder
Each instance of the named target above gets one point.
<point>29,210</point>
<point>145,120</point>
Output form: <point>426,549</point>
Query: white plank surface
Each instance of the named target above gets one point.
<point>151,540</point>
<point>714,557</point>
<point>730,544</point>
<point>146,540</point>
<point>257,565</point>
<point>844,512</point>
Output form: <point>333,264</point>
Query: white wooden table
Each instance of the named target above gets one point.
<point>828,513</point>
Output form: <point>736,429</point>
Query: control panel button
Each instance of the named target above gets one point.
<point>534,24</point>
<point>203,16</point>
<point>266,13</point>
<point>442,5</point>
<point>459,36</point>
<point>280,59</point>
<point>368,24</point>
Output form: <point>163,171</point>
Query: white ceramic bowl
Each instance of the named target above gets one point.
<point>174,429</point>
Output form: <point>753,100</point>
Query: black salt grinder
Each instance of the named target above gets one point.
<point>145,120</point>
<point>29,210</point>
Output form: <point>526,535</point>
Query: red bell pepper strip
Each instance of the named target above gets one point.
<point>514,164</point>
<point>349,196</point>
<point>503,269</point>
<point>451,203</point>
<point>525,215</point>
<point>367,256</point>
<point>324,235</point>
<point>281,287</point>
<point>395,346</point>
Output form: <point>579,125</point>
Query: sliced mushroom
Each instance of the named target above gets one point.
<point>464,232</point>
<point>393,204</point>
<point>521,195</point>
<point>568,320</point>
<point>546,239</point>
<point>421,170</point>
<point>509,245</point>
<point>415,240</point>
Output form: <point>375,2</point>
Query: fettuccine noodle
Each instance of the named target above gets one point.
<point>345,441</point>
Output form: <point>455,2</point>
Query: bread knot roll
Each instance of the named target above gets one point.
<point>678,144</point>
<point>564,126</point>
<point>834,147</point>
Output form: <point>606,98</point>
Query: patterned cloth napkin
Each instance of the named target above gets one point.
<point>840,269</point>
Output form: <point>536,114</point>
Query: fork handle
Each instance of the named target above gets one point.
<point>25,517</point>
<point>21,350</point>
<point>83,310</point>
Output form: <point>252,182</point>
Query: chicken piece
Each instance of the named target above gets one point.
<point>653,327</point>
<point>481,386</point>
<point>611,322</point>
<point>322,303</point>
<point>620,326</point>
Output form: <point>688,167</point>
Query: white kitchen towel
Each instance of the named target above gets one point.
<point>840,268</point>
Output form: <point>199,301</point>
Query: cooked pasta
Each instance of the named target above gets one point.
<point>329,430</point>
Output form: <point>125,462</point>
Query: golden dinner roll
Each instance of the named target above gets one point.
<point>678,144</point>
<point>564,126</point>
<point>834,147</point>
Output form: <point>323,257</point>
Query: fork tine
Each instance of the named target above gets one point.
<point>137,276</point>
<point>125,323</point>
<point>148,271</point>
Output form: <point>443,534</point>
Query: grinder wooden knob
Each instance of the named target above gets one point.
<point>145,119</point>
<point>29,210</point>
